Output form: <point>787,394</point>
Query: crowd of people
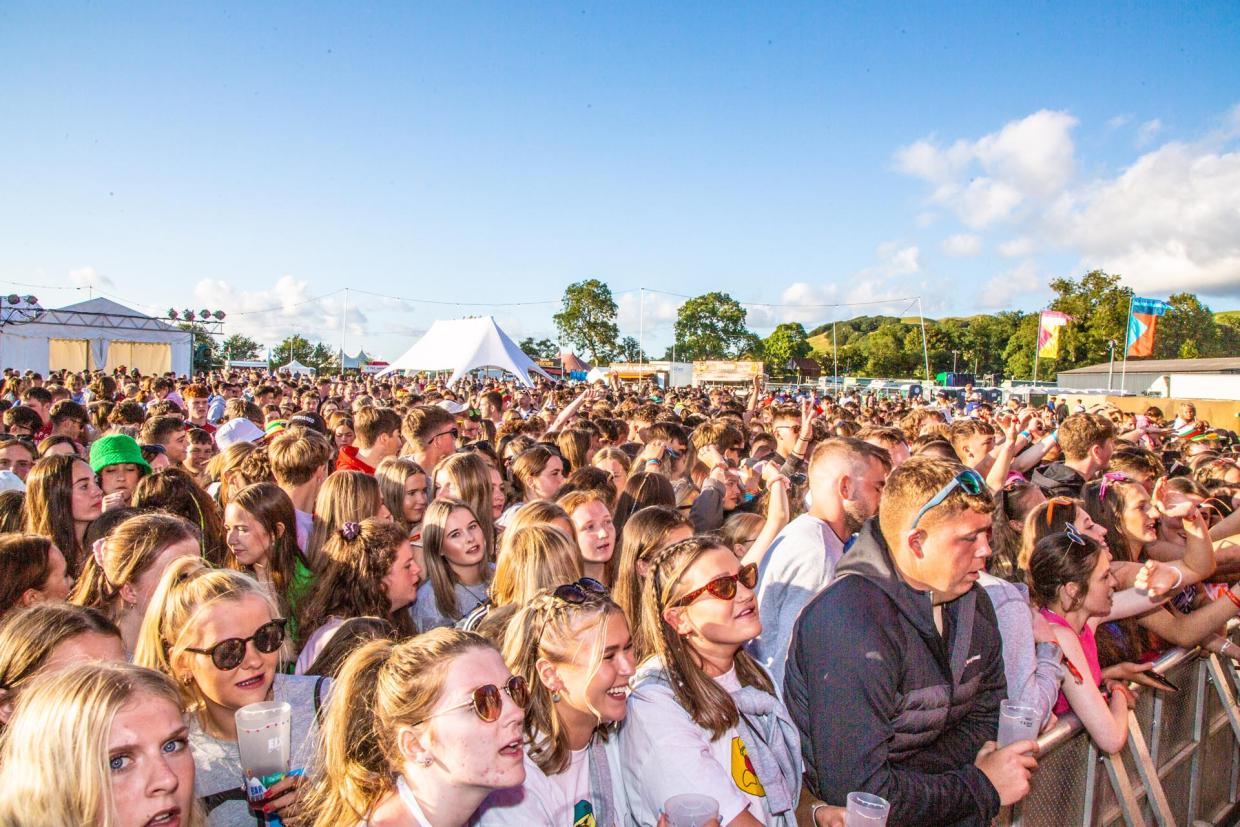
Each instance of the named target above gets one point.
<point>493,604</point>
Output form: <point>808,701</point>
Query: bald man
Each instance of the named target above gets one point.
<point>846,478</point>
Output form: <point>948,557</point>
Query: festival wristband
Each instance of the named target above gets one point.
<point>1232,597</point>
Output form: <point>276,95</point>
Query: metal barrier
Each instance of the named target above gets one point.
<point>1181,763</point>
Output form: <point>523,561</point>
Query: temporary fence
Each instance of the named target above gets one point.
<point>1181,765</point>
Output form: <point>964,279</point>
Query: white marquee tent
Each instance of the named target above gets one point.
<point>296,368</point>
<point>462,345</point>
<point>98,334</point>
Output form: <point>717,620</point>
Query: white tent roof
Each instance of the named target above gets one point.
<point>25,333</point>
<point>462,345</point>
<point>296,367</point>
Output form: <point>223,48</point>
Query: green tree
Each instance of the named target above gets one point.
<point>631,351</point>
<point>588,319</point>
<point>539,348</point>
<point>1187,330</point>
<point>1099,310</point>
<point>323,358</point>
<point>786,342</point>
<point>712,326</point>
<point>237,346</point>
<point>294,347</point>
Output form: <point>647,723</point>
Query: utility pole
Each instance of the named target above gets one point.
<point>955,353</point>
<point>1111,366</point>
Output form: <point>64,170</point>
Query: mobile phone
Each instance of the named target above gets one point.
<point>1162,681</point>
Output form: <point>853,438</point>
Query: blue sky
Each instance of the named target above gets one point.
<point>261,160</point>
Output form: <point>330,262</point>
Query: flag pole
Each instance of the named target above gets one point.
<point>1037,348</point>
<point>1123,377</point>
<point>925,350</point>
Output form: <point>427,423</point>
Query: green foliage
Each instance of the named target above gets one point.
<point>294,347</point>
<point>205,352</point>
<point>539,348</point>
<point>588,319</point>
<point>241,347</point>
<point>786,342</point>
<point>712,326</point>
<point>631,351</point>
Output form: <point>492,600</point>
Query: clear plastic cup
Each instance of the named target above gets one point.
<point>263,740</point>
<point>1016,723</point>
<point>866,810</point>
<point>691,810</point>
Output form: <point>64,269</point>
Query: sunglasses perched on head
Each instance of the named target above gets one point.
<point>968,480</point>
<point>578,592</point>
<point>487,702</point>
<point>228,654</point>
<point>724,587</point>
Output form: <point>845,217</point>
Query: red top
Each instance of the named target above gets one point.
<point>347,461</point>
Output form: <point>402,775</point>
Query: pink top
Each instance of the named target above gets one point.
<point>1088,644</point>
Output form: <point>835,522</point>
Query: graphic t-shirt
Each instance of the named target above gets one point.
<point>665,753</point>
<point>560,800</point>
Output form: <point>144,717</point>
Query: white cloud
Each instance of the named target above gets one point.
<point>1117,121</point>
<point>88,277</point>
<point>1148,131</point>
<point>1016,247</point>
<point>1000,291</point>
<point>636,314</point>
<point>286,308</point>
<point>961,245</point>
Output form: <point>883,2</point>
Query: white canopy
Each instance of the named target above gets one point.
<point>297,368</point>
<point>462,345</point>
<point>98,334</point>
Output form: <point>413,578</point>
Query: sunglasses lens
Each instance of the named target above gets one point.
<point>593,585</point>
<point>748,575</point>
<point>228,654</point>
<point>971,482</point>
<point>570,593</point>
<point>519,691</point>
<point>724,588</point>
<point>487,703</point>
<point>269,637</point>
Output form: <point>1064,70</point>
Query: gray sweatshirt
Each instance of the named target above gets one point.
<point>1033,673</point>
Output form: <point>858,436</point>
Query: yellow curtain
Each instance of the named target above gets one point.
<point>148,357</point>
<point>68,354</point>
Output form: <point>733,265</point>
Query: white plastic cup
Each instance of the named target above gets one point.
<point>263,740</point>
<point>1016,723</point>
<point>691,810</point>
<point>866,810</point>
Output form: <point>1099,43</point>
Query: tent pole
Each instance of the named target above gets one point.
<point>344,328</point>
<point>641,325</point>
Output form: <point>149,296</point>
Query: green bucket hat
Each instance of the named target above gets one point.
<point>116,449</point>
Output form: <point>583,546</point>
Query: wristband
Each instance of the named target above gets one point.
<point>813,811</point>
<point>1055,435</point>
<point>1026,435</point>
<point>1232,597</point>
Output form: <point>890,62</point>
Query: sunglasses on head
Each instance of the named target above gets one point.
<point>578,592</point>
<point>968,480</point>
<point>487,702</point>
<point>1073,535</point>
<point>228,654</point>
<point>724,587</point>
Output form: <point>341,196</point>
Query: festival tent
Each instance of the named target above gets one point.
<point>462,345</point>
<point>296,367</point>
<point>355,362</point>
<point>97,334</point>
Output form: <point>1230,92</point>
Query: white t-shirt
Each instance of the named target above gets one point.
<point>665,753</point>
<point>315,644</point>
<point>561,800</point>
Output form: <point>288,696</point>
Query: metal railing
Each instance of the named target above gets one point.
<point>1181,764</point>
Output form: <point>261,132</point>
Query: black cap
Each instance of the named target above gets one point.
<point>308,419</point>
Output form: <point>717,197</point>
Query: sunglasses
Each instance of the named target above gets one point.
<point>724,587</point>
<point>455,432</point>
<point>968,480</point>
<point>228,654</point>
<point>578,592</point>
<point>487,702</point>
<point>1073,534</point>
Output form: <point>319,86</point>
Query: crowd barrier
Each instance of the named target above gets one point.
<point>1181,765</point>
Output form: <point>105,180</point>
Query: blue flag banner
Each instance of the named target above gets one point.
<point>1141,325</point>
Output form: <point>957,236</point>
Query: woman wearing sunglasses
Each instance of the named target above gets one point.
<point>370,572</point>
<point>704,716</point>
<point>572,646</point>
<point>218,634</point>
<point>420,733</point>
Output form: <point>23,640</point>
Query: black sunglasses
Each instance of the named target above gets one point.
<point>577,593</point>
<point>228,654</point>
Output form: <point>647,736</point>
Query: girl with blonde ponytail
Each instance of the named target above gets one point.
<point>419,733</point>
<point>704,716</point>
<point>572,646</point>
<point>124,568</point>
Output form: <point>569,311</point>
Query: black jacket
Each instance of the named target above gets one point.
<point>887,705</point>
<point>1058,480</point>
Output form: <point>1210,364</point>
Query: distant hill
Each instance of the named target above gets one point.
<point>1231,317</point>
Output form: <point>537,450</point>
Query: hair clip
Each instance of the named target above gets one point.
<point>1108,478</point>
<point>349,531</point>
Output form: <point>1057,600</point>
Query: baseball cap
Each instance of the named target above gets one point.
<point>237,430</point>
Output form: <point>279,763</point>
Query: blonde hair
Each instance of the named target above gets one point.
<point>555,630</point>
<point>914,483</point>
<point>535,557</point>
<point>345,497</point>
<point>381,687</point>
<point>708,704</point>
<point>737,528</point>
<point>224,464</point>
<point>471,476</point>
<point>538,512</point>
<point>126,554</point>
<point>642,538</point>
<point>55,760</point>
<point>187,589</point>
